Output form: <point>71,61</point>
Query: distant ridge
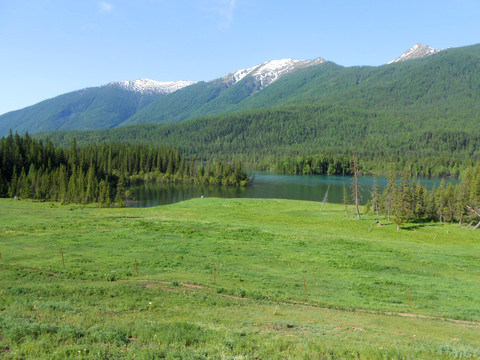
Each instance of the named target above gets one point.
<point>417,51</point>
<point>270,71</point>
<point>437,83</point>
<point>147,86</point>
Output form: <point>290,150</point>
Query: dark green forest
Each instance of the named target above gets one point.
<point>99,173</point>
<point>293,139</point>
<point>443,89</point>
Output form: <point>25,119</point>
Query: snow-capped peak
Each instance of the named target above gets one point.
<point>416,52</point>
<point>270,71</point>
<point>147,86</point>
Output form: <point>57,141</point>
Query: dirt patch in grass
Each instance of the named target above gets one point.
<point>194,286</point>
<point>313,306</point>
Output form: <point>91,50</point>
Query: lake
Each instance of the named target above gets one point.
<point>265,185</point>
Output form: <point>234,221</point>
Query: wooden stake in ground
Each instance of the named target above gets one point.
<point>409,301</point>
<point>136,266</point>
<point>63,260</point>
<point>305,286</point>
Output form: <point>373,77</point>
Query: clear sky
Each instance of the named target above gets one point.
<point>50,47</point>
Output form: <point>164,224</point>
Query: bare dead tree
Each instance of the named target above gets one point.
<point>355,186</point>
<point>345,200</point>
<point>474,211</point>
<point>325,198</point>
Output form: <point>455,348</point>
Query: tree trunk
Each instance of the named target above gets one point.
<point>356,190</point>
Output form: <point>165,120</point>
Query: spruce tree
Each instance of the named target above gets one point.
<point>420,202</point>
<point>463,195</point>
<point>390,191</point>
<point>440,201</point>
<point>120,192</point>
<point>404,200</point>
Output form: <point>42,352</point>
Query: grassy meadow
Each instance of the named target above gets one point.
<point>233,279</point>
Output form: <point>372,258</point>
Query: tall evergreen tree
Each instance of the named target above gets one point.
<point>390,191</point>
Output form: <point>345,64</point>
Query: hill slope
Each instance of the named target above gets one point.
<point>113,104</point>
<point>92,108</point>
<point>221,95</point>
<point>443,82</point>
<point>418,109</point>
<point>446,83</point>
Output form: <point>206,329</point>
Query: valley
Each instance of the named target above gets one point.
<point>308,210</point>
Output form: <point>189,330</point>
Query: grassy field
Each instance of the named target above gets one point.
<point>228,279</point>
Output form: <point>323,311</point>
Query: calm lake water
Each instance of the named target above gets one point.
<point>266,185</point>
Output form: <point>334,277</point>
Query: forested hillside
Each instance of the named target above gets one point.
<point>439,91</point>
<point>266,137</point>
<point>422,111</point>
<point>445,85</point>
<point>92,108</point>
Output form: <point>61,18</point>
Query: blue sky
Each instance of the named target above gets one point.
<point>49,47</point>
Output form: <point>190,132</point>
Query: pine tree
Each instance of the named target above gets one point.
<point>390,191</point>
<point>420,200</point>
<point>63,181</point>
<point>440,201</point>
<point>3,184</point>
<point>73,154</point>
<point>463,195</point>
<point>449,210</point>
<point>404,200</point>
<point>121,192</point>
<point>92,185</point>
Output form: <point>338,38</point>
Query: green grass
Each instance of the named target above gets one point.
<point>356,275</point>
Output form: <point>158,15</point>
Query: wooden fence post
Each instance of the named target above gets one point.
<point>305,286</point>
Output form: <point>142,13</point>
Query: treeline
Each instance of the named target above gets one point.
<point>340,164</point>
<point>408,200</point>
<point>413,136</point>
<point>33,169</point>
<point>318,164</point>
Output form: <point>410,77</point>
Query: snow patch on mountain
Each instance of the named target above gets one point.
<point>270,71</point>
<point>147,86</point>
<point>238,75</point>
<point>416,52</point>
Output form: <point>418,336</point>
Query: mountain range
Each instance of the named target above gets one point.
<point>271,84</point>
<point>423,111</point>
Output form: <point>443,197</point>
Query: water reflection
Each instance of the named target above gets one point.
<point>266,185</point>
